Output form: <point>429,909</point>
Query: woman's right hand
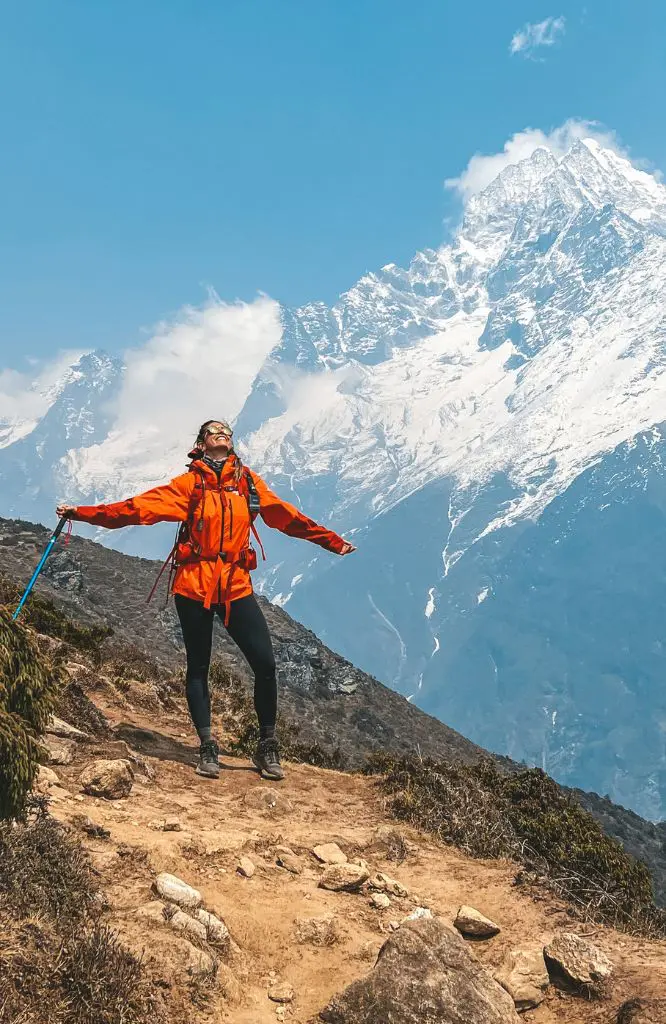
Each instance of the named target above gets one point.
<point>65,511</point>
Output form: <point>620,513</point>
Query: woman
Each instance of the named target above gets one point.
<point>216,501</point>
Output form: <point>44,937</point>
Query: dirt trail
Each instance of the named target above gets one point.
<point>222,820</point>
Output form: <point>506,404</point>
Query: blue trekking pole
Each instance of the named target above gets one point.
<point>49,547</point>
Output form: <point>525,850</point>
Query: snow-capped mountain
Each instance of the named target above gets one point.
<point>487,425</point>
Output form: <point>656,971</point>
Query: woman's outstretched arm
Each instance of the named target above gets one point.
<point>280,515</point>
<point>167,503</point>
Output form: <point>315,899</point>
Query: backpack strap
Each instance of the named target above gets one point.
<point>254,506</point>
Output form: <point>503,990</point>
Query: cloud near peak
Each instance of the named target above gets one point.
<point>484,167</point>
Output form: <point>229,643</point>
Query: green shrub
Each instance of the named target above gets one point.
<point>41,613</point>
<point>28,687</point>
<point>525,817</point>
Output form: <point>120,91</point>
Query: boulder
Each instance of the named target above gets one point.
<point>642,1011</point>
<point>424,971</point>
<point>45,779</point>
<point>343,877</point>
<point>109,779</point>
<point>523,974</point>
<point>473,924</point>
<point>173,889</point>
<point>58,727</point>
<point>380,900</point>
<point>384,883</point>
<point>245,867</point>
<point>579,963</point>
<point>317,931</point>
<point>216,930</point>
<point>182,922</point>
<point>330,853</point>
<point>59,751</point>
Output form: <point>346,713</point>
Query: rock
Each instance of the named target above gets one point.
<point>339,877</point>
<point>45,779</point>
<point>109,779</point>
<point>216,930</point>
<point>90,827</point>
<point>182,922</point>
<point>383,883</point>
<point>172,825</point>
<point>281,992</point>
<point>269,800</point>
<point>287,859</point>
<point>523,974</point>
<point>195,961</point>
<point>470,922</point>
<point>153,911</point>
<point>578,962</point>
<point>59,751</point>
<point>417,914</point>
<point>58,793</point>
<point>380,900</point>
<point>58,727</point>
<point>317,931</point>
<point>330,853</point>
<point>360,863</point>
<point>642,1011</point>
<point>424,971</point>
<point>245,867</point>
<point>171,888</point>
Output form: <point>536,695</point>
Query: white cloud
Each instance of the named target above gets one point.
<point>484,168</point>
<point>199,366</point>
<point>541,33</point>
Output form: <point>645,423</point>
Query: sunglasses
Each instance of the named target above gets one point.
<point>218,433</point>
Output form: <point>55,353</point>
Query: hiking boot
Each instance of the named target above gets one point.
<point>267,759</point>
<point>208,764</point>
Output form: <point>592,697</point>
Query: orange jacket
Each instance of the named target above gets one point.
<point>225,526</point>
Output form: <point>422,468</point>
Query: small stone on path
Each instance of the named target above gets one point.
<point>171,888</point>
<point>182,922</point>
<point>216,930</point>
<point>343,877</point>
<point>172,825</point>
<point>246,867</point>
<point>380,900</point>
<point>473,924</point>
<point>330,853</point>
<point>281,992</point>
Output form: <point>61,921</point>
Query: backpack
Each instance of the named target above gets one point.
<point>186,547</point>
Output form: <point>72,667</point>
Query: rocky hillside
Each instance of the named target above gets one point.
<point>235,902</point>
<point>343,710</point>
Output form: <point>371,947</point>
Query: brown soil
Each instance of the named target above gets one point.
<point>221,821</point>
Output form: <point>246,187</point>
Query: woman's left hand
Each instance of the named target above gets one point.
<point>347,549</point>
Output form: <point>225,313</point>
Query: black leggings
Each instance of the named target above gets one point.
<point>248,629</point>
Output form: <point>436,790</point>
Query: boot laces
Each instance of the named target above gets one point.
<point>270,751</point>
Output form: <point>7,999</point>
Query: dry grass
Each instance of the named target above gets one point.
<point>527,818</point>
<point>58,963</point>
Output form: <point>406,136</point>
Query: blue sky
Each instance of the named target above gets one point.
<point>152,149</point>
